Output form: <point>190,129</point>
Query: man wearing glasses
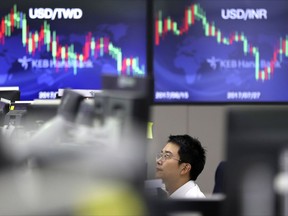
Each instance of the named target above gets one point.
<point>180,162</point>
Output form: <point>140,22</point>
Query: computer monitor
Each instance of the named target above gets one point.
<point>220,52</point>
<point>10,93</point>
<point>257,139</point>
<point>49,45</point>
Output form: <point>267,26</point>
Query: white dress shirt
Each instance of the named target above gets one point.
<point>188,190</point>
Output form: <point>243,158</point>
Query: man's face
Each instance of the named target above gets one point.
<point>168,168</point>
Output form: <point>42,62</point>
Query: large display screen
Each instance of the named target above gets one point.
<point>220,51</point>
<point>46,45</point>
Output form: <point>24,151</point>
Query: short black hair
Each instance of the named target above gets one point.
<point>190,151</point>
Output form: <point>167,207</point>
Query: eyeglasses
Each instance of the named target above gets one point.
<point>166,156</point>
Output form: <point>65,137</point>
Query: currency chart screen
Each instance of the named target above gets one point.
<point>220,51</point>
<point>46,45</point>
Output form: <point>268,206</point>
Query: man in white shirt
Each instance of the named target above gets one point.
<point>179,164</point>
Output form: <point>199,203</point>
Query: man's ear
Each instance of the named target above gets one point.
<point>186,168</point>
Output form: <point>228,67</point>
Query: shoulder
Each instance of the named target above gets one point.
<point>194,191</point>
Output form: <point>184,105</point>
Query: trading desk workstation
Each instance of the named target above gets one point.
<point>80,81</point>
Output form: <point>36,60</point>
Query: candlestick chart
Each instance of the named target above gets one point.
<point>220,51</point>
<point>46,45</point>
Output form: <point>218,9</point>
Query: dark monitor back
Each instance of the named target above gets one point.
<point>15,114</point>
<point>4,108</point>
<point>256,140</point>
<point>203,207</point>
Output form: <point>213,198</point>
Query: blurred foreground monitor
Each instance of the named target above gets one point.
<point>80,150</point>
<point>257,167</point>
